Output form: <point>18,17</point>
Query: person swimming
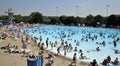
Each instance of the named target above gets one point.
<point>105,62</point>
<point>94,63</point>
<point>116,61</point>
<point>117,52</point>
<point>83,57</point>
<point>75,49</point>
<point>98,49</point>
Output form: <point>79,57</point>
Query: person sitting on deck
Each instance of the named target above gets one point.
<point>41,54</point>
<point>50,58</point>
<point>42,46</point>
<point>50,61</point>
<point>8,46</point>
<point>49,55</point>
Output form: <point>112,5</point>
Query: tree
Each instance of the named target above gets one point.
<point>26,19</point>
<point>3,17</point>
<point>78,20</point>
<point>112,19</point>
<point>63,19</point>
<point>98,18</point>
<point>54,20</point>
<point>118,20</point>
<point>83,21</point>
<point>69,20</point>
<point>90,20</point>
<point>18,18</point>
<point>36,17</point>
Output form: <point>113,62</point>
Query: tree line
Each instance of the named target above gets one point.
<point>90,20</point>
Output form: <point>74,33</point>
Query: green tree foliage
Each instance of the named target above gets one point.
<point>63,19</point>
<point>36,17</point>
<point>69,20</point>
<point>98,18</point>
<point>46,20</point>
<point>78,20</point>
<point>3,17</point>
<point>90,20</point>
<point>83,21</point>
<point>26,19</point>
<point>18,18</point>
<point>54,20</point>
<point>113,20</point>
<point>118,20</point>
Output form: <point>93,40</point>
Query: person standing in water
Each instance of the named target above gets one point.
<point>47,42</point>
<point>58,50</point>
<point>115,44</point>
<point>40,39</point>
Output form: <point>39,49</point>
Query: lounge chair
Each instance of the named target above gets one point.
<point>4,47</point>
<point>11,50</point>
<point>50,61</point>
<point>16,51</point>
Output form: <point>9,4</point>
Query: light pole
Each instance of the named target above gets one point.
<point>57,14</point>
<point>77,19</point>
<point>77,11</point>
<point>57,11</point>
<point>107,6</point>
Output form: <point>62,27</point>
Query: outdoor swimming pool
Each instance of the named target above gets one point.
<point>89,39</point>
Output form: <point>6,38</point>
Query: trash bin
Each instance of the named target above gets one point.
<point>34,62</point>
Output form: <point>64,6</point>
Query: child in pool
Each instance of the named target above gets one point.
<point>83,57</point>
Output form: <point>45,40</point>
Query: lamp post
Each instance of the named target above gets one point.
<point>107,6</point>
<point>57,11</point>
<point>77,11</point>
<point>57,15</point>
<point>77,19</point>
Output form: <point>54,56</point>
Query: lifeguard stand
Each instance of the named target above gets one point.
<point>10,15</point>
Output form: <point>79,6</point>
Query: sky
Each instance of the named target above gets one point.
<point>61,7</point>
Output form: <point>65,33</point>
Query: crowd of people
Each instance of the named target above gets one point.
<point>108,61</point>
<point>64,45</point>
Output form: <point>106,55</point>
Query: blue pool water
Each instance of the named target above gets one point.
<point>77,33</point>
